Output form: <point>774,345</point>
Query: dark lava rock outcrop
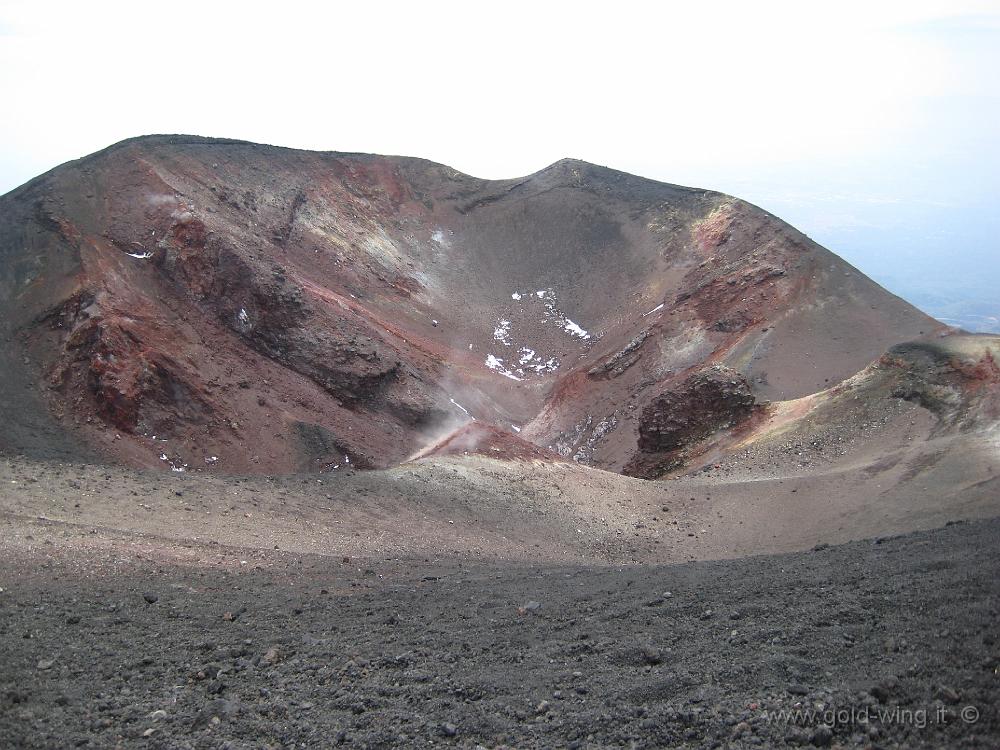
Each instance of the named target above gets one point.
<point>710,400</point>
<point>957,379</point>
<point>187,302</point>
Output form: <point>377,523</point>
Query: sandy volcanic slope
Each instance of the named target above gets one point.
<point>181,302</point>
<point>909,443</point>
<point>883,473</point>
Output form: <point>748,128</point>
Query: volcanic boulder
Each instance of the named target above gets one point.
<point>678,418</point>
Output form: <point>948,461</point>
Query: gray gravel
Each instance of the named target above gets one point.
<point>887,642</point>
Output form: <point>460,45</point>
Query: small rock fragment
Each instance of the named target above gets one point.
<point>822,736</point>
<point>650,654</point>
<point>271,656</point>
<point>947,695</point>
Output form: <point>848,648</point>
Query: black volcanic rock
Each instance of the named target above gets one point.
<point>707,401</point>
<point>713,399</point>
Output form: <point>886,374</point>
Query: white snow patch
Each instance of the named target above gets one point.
<point>570,327</point>
<point>495,363</point>
<point>459,406</point>
<point>549,365</point>
<point>211,459</point>
<point>515,296</point>
<point>502,332</point>
<point>655,309</point>
<point>530,360</point>
<point>540,293</point>
<point>173,466</point>
<point>140,256</point>
<point>515,428</point>
<point>243,317</point>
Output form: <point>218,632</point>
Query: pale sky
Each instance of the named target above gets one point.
<point>872,126</point>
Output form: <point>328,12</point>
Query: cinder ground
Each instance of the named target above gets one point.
<point>891,643</point>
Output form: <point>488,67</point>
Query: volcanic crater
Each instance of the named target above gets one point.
<point>195,303</point>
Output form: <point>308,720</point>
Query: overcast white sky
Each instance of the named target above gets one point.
<point>870,125</point>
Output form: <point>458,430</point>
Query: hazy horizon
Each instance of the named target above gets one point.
<point>871,129</point>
